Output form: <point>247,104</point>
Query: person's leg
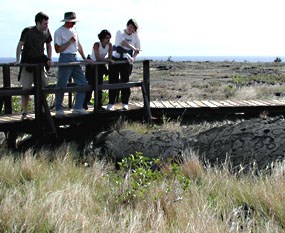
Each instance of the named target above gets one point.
<point>125,77</point>
<point>113,78</point>
<point>88,75</point>
<point>102,70</point>
<point>26,81</point>
<point>64,73</point>
<point>80,80</point>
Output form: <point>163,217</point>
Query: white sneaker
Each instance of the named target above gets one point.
<point>59,112</point>
<point>125,107</point>
<point>110,107</point>
<point>79,111</point>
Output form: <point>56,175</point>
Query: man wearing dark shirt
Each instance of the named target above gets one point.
<point>31,50</point>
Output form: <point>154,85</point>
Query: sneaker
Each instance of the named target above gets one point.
<point>59,112</point>
<point>25,116</point>
<point>125,107</point>
<point>110,107</point>
<point>79,111</point>
<point>85,106</point>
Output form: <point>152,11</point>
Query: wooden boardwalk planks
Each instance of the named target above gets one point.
<point>230,105</point>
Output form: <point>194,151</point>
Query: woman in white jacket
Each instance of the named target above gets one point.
<point>127,47</point>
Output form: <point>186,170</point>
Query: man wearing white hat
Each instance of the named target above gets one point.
<point>66,42</point>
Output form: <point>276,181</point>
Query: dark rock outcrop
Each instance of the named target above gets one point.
<point>255,140</point>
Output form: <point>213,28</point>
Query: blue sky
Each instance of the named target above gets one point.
<point>167,27</point>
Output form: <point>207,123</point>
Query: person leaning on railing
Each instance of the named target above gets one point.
<point>101,51</point>
<point>30,49</point>
<point>66,42</point>
<point>127,47</point>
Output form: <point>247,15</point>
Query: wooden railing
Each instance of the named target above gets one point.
<point>39,92</point>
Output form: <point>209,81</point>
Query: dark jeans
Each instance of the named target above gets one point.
<point>102,70</point>
<point>120,73</point>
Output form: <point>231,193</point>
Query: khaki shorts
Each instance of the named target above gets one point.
<point>27,79</point>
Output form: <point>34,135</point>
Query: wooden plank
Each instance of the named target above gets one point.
<point>199,103</point>
<point>184,104</point>
<point>250,102</point>
<point>176,104</point>
<point>158,104</point>
<point>192,104</point>
<point>137,104</point>
<point>233,103</point>
<point>259,103</point>
<point>227,103</point>
<point>265,102</point>
<point>151,104</point>
<point>167,104</point>
<point>247,103</point>
<point>278,102</point>
<point>209,104</point>
<point>218,104</point>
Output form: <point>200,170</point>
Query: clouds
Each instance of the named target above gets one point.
<point>167,27</point>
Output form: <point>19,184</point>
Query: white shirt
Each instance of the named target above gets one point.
<point>102,51</point>
<point>62,35</point>
<point>132,39</point>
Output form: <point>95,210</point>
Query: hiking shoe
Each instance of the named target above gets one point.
<point>59,112</point>
<point>125,107</point>
<point>110,107</point>
<point>25,116</point>
<point>79,111</point>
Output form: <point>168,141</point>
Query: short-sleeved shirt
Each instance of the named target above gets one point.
<point>132,39</point>
<point>62,35</point>
<point>34,41</point>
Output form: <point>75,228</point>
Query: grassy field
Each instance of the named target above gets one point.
<point>57,192</point>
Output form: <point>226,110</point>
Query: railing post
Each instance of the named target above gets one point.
<point>96,87</point>
<point>38,94</point>
<point>7,83</point>
<point>146,78</point>
<point>69,95</point>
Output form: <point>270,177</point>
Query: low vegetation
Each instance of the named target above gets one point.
<point>57,192</point>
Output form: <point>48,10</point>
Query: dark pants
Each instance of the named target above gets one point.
<point>119,73</point>
<point>102,70</point>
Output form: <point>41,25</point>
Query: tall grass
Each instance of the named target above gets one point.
<point>44,193</point>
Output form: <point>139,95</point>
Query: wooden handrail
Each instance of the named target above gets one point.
<point>6,92</point>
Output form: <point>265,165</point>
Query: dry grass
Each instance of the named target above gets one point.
<point>38,195</point>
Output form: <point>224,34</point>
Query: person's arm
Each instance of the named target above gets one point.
<point>110,52</point>
<point>18,51</point>
<point>61,48</point>
<point>49,52</point>
<point>81,52</point>
<point>96,52</point>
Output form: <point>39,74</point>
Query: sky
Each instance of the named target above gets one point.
<point>166,27</point>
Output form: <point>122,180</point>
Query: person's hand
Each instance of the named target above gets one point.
<point>88,61</point>
<point>111,61</point>
<point>49,63</point>
<point>137,51</point>
<point>72,39</point>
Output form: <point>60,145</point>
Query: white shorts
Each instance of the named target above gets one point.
<point>27,79</point>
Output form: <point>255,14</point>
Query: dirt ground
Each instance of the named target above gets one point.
<point>213,80</point>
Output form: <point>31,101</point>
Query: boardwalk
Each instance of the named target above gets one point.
<point>157,108</point>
